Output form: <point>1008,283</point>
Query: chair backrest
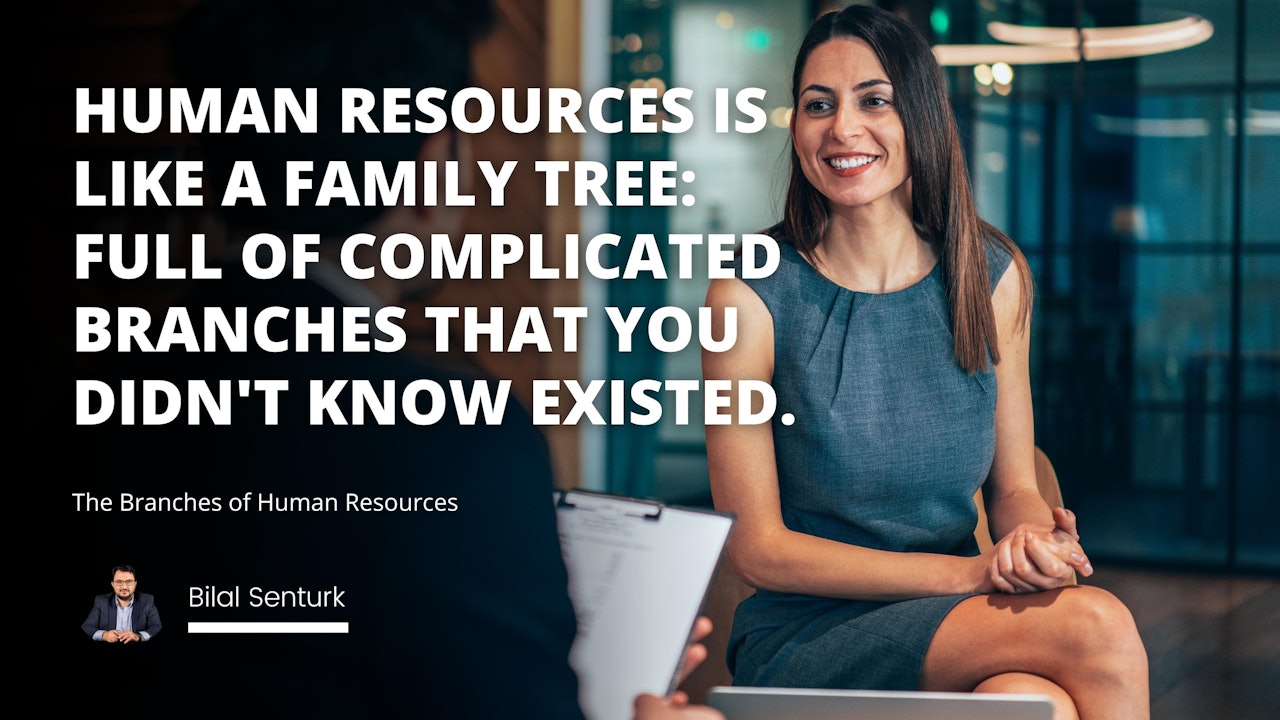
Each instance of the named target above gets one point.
<point>728,589</point>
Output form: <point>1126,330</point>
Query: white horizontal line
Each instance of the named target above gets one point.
<point>292,628</point>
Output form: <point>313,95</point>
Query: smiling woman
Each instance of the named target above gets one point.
<point>895,334</point>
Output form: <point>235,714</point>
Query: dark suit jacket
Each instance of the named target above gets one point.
<point>103,615</point>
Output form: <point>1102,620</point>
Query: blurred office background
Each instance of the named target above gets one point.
<point>1149,212</point>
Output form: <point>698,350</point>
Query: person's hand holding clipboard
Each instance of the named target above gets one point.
<point>638,575</point>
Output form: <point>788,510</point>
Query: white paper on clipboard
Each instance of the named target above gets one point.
<point>638,574</point>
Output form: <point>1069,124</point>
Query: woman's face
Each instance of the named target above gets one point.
<point>847,131</point>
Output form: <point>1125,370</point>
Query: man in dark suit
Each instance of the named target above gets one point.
<point>123,615</point>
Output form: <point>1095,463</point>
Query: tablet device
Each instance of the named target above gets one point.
<point>752,703</point>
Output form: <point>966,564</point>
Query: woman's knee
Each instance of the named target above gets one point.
<point>1102,630</point>
<point>1079,636</point>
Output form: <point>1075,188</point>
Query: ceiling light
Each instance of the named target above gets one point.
<point>1033,45</point>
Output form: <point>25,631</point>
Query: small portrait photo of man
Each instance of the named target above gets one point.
<point>123,615</point>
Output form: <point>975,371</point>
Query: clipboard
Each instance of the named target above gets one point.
<point>639,572</point>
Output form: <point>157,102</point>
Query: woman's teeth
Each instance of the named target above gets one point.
<point>845,163</point>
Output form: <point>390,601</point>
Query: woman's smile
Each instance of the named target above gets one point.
<point>851,164</point>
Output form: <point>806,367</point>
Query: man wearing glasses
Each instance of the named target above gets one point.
<point>132,617</point>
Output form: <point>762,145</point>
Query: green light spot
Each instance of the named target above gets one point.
<point>757,39</point>
<point>940,21</point>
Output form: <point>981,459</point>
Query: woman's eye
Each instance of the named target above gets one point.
<point>817,106</point>
<point>876,101</point>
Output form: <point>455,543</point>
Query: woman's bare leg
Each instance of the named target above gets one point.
<point>1027,684</point>
<point>1080,638</point>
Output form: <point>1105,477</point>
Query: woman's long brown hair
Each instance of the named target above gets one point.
<point>943,210</point>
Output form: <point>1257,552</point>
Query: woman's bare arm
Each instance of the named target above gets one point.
<point>744,481</point>
<point>1038,547</point>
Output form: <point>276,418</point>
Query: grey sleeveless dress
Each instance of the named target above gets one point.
<point>891,439</point>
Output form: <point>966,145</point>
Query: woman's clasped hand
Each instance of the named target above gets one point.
<point>1035,557</point>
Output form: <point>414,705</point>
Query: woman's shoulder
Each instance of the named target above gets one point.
<point>1000,254</point>
<point>779,286</point>
<point>751,352</point>
<point>1012,288</point>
